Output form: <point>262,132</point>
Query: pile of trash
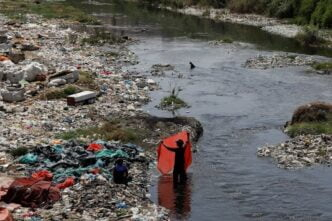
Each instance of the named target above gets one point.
<point>162,69</point>
<point>84,174</point>
<point>277,61</point>
<point>301,151</point>
<point>42,56</point>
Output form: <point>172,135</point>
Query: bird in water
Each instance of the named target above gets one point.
<point>192,66</point>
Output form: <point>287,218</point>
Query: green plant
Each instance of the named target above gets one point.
<point>325,66</point>
<point>87,79</point>
<point>310,128</point>
<point>20,151</point>
<point>314,118</point>
<point>110,130</point>
<point>60,93</point>
<point>70,89</point>
<point>172,101</point>
<point>101,37</point>
<point>227,40</point>
<point>48,9</point>
<point>309,36</point>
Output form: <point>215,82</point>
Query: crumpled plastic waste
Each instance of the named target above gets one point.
<point>43,175</point>
<point>29,158</point>
<point>67,183</point>
<point>95,147</point>
<point>112,154</point>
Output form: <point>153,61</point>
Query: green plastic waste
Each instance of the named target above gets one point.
<point>111,154</point>
<point>70,172</point>
<point>57,148</point>
<point>28,158</point>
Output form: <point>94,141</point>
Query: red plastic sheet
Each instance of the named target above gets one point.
<point>43,175</point>
<point>166,158</point>
<point>30,192</point>
<point>95,147</point>
<point>67,183</point>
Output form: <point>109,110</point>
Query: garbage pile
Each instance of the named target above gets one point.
<point>42,56</point>
<point>301,151</point>
<point>84,173</point>
<point>277,61</point>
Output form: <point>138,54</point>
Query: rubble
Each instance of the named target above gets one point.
<point>301,151</point>
<point>278,61</point>
<point>32,70</point>
<point>11,94</point>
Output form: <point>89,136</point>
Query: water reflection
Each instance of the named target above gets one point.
<point>176,198</point>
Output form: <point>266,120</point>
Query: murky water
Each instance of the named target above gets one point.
<point>241,109</point>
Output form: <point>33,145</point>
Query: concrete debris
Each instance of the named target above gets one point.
<point>57,82</point>
<point>12,94</point>
<point>32,70</point>
<point>278,61</point>
<point>69,76</point>
<point>301,151</point>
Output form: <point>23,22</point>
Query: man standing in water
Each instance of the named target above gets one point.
<point>179,170</point>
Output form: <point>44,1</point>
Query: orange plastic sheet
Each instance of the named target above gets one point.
<point>95,147</point>
<point>166,158</point>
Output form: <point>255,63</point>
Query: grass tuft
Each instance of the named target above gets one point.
<point>314,118</point>
<point>326,66</point>
<point>111,130</point>
<point>60,93</point>
<point>17,152</point>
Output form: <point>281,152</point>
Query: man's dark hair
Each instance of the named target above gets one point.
<point>119,161</point>
<point>180,143</point>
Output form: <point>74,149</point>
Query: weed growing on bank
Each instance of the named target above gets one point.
<point>48,9</point>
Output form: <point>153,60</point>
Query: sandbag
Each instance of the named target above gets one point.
<point>166,158</point>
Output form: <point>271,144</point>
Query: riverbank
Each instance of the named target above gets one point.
<point>272,25</point>
<point>43,61</point>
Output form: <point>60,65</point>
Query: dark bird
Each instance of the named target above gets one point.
<point>192,66</point>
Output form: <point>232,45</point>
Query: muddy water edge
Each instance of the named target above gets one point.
<point>241,109</point>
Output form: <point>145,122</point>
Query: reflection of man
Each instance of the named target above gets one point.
<point>179,170</point>
<point>175,198</point>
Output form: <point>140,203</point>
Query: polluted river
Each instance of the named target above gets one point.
<point>241,109</point>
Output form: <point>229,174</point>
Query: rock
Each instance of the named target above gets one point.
<point>29,47</point>
<point>3,39</point>
<point>13,94</point>
<point>5,48</point>
<point>57,82</point>
<point>68,75</point>
<point>15,77</point>
<point>33,69</point>
<point>151,82</point>
<point>16,56</point>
